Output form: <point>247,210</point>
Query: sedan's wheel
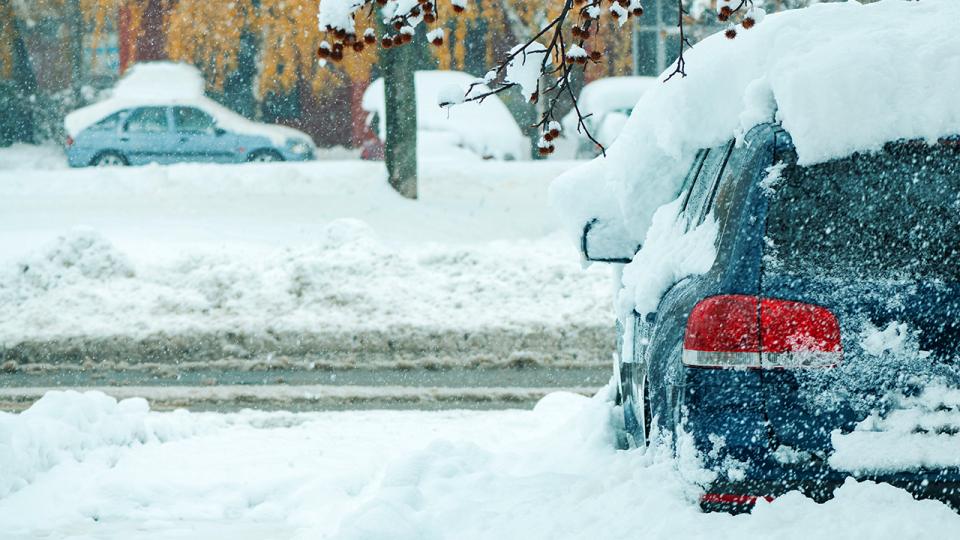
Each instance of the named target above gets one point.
<point>109,159</point>
<point>265,156</point>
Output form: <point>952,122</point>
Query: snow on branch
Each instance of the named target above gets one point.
<point>541,66</point>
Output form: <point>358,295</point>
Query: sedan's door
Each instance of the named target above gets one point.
<point>199,139</point>
<point>146,136</point>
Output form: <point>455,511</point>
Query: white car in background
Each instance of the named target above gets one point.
<point>606,103</point>
<point>486,130</point>
<point>158,113</point>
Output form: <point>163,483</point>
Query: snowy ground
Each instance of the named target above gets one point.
<point>85,467</point>
<point>206,263</point>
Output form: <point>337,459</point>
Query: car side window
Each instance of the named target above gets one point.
<point>726,193</point>
<point>692,176</point>
<point>110,122</point>
<point>192,120</point>
<point>703,187</point>
<point>730,196</point>
<point>148,120</point>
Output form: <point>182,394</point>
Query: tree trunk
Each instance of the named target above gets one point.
<point>358,128</point>
<point>238,86</point>
<point>16,122</point>
<point>400,104</point>
<point>152,40</point>
<point>75,24</point>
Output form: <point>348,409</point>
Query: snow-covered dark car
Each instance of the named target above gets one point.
<point>157,113</point>
<point>788,303</point>
<point>834,297</point>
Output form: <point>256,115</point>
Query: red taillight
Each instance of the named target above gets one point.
<point>69,141</point>
<point>733,498</point>
<point>752,332</point>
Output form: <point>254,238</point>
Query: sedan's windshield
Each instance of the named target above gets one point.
<point>889,214</point>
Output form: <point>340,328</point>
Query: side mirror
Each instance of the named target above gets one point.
<point>219,132</point>
<point>607,241</point>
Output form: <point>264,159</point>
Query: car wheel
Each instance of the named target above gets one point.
<point>109,159</point>
<point>618,398</point>
<point>264,156</point>
<point>636,408</point>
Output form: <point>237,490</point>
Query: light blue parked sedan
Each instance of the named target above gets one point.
<point>162,133</point>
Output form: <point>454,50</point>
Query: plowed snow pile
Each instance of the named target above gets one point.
<point>280,253</point>
<point>347,280</point>
<point>550,473</point>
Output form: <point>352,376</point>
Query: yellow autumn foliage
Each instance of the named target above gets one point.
<point>208,34</point>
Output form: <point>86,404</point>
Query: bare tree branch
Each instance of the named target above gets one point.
<point>560,55</point>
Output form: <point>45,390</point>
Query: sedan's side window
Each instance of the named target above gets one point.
<point>191,120</point>
<point>148,120</point>
<point>110,122</point>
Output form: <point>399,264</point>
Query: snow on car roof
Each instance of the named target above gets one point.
<point>486,128</point>
<point>169,83</point>
<point>839,77</point>
<point>612,93</point>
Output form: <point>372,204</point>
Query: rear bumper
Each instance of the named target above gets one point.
<point>80,157</point>
<point>820,484</point>
<point>730,415</point>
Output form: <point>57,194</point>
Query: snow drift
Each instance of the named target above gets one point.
<point>69,425</point>
<point>551,472</point>
<point>205,262</point>
<point>840,77</point>
<point>563,478</point>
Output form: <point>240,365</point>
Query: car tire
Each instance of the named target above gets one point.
<point>264,156</point>
<point>637,417</point>
<point>109,159</point>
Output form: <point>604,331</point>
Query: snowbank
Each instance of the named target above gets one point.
<point>23,157</point>
<point>551,472</point>
<point>346,281</point>
<point>487,128</point>
<point>168,83</point>
<point>64,426</point>
<point>281,250</point>
<point>563,479</point>
<point>840,77</point>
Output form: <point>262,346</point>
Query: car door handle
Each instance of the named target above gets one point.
<point>124,139</point>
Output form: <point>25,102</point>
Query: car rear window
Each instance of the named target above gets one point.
<point>891,214</point>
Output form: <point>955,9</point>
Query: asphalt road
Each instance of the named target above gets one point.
<point>313,389</point>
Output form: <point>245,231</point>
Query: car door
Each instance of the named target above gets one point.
<point>199,138</point>
<point>146,136</point>
<point>660,334</point>
<point>642,328</point>
<point>728,195</point>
